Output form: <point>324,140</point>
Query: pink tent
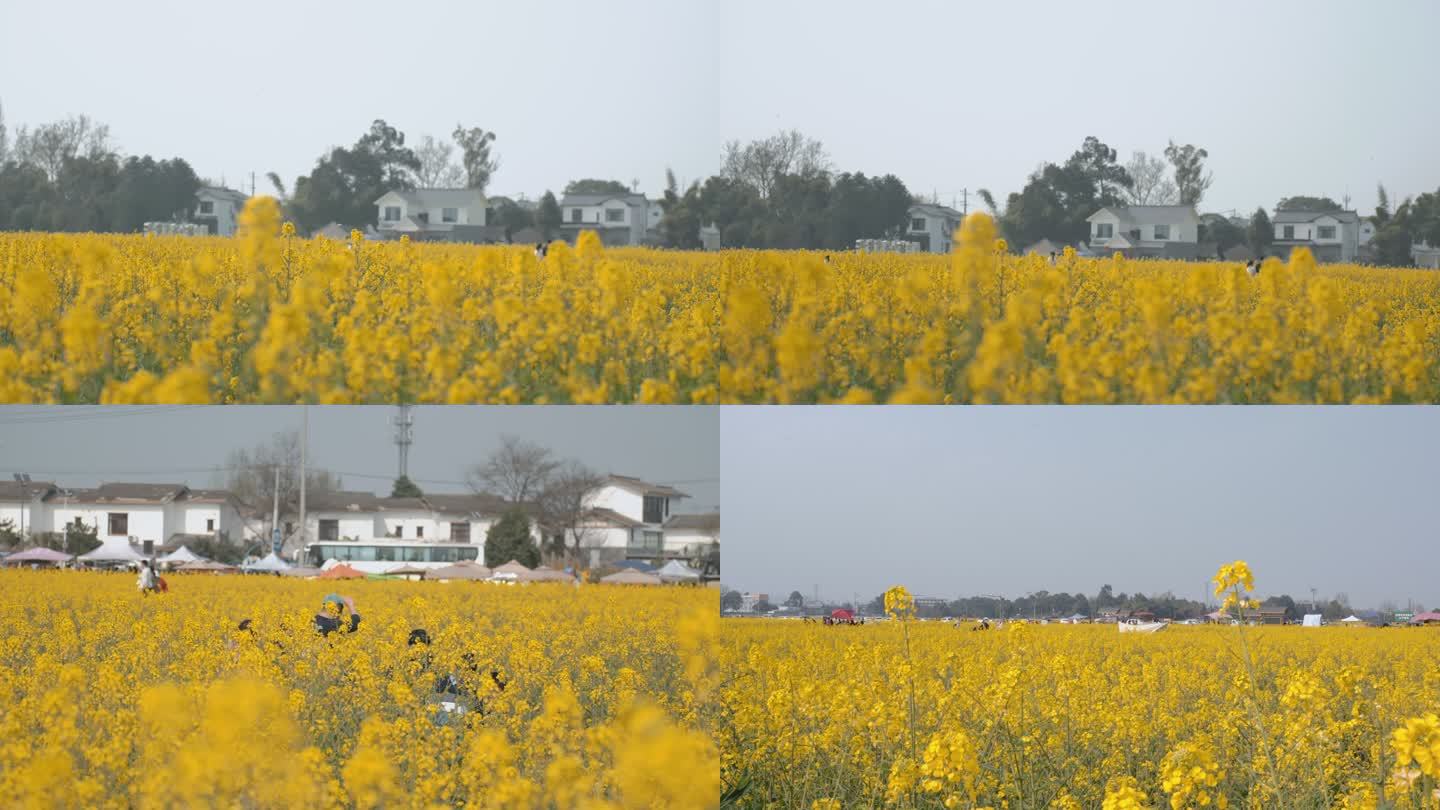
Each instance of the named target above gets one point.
<point>1420,618</point>
<point>38,555</point>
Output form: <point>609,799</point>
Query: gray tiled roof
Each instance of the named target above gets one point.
<point>1133,215</point>
<point>597,199</point>
<point>710,522</point>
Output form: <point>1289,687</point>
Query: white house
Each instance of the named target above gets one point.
<point>933,226</point>
<point>626,520</point>
<point>22,506</point>
<point>690,535</point>
<point>429,212</point>
<point>1332,236</point>
<point>619,219</point>
<point>1424,255</point>
<point>1166,231</point>
<point>138,513</point>
<point>218,209</point>
<point>362,516</point>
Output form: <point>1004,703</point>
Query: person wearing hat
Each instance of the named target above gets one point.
<point>333,610</point>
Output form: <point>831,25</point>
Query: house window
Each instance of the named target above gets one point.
<point>654,509</point>
<point>450,215</point>
<point>392,213</point>
<point>419,531</point>
<point>1162,232</point>
<point>614,214</point>
<point>207,207</point>
<point>1325,232</point>
<point>459,532</point>
<point>1104,230</point>
<point>329,529</point>
<point>575,215</point>
<point>917,224</point>
<point>652,541</point>
<point>210,525</point>
<point>119,524</point>
<point>1289,231</point>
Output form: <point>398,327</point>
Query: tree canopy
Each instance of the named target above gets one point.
<point>345,183</point>
<point>509,539</point>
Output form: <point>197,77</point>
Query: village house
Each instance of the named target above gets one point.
<point>1332,236</point>
<point>933,226</point>
<point>446,214</point>
<point>1157,231</point>
<point>619,219</point>
<point>626,520</point>
<point>218,209</point>
<point>362,516</point>
<point>140,513</point>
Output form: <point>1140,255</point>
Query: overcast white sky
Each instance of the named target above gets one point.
<point>83,446</point>
<point>1290,97</point>
<point>965,501</point>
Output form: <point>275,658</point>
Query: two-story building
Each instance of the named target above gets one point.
<point>625,519</point>
<point>1332,236</point>
<point>933,226</point>
<point>218,209</point>
<point>431,213</point>
<point>375,534</point>
<point>22,506</point>
<point>1160,231</point>
<point>619,219</point>
<point>139,513</point>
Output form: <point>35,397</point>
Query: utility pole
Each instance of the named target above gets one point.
<point>304,447</point>
<point>23,479</point>
<point>965,206</point>
<point>275,515</point>
<point>1312,600</point>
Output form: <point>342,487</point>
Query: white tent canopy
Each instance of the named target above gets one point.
<point>1352,619</point>
<point>270,562</point>
<point>113,551</point>
<point>181,555</point>
<point>1312,620</point>
<point>676,571</point>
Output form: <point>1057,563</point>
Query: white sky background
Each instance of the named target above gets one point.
<point>82,446</point>
<point>1289,96</point>
<point>954,501</point>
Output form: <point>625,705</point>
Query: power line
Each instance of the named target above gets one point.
<point>82,413</point>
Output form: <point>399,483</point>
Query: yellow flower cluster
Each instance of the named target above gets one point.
<point>268,317</point>
<point>1078,716</point>
<point>111,700</point>
<point>899,604</point>
<point>1235,582</point>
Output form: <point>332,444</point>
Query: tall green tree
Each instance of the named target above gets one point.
<point>509,539</point>
<point>510,215</point>
<point>405,488</point>
<point>548,216</point>
<point>1057,199</point>
<point>1303,203</point>
<point>680,227</point>
<point>148,190</point>
<point>1191,179</point>
<point>345,183</point>
<point>475,152</point>
<point>1262,232</point>
<point>591,185</point>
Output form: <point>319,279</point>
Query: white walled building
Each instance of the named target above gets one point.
<point>22,505</point>
<point>619,219</point>
<point>429,211</point>
<point>627,518</point>
<point>218,209</point>
<point>690,535</point>
<point>1332,236</point>
<point>136,513</point>
<point>933,226</point>
<point>1162,231</point>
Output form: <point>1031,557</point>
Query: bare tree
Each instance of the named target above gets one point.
<point>49,146</point>
<point>475,149</point>
<point>1150,184</point>
<point>564,507</point>
<point>250,476</point>
<point>517,471</point>
<point>759,163</point>
<point>437,169</point>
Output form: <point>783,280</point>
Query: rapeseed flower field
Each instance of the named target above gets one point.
<point>269,317</point>
<point>909,714</point>
<point>111,699</point>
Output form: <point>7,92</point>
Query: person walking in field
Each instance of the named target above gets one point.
<point>149,580</point>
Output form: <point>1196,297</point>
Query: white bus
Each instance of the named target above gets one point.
<point>382,555</point>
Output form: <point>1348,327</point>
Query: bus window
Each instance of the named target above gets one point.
<point>469,553</point>
<point>385,553</point>
<point>413,554</point>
